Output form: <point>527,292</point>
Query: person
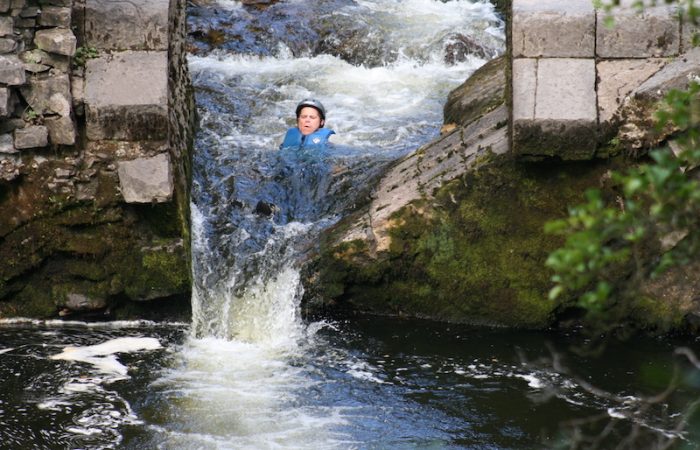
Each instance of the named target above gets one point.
<point>311,117</point>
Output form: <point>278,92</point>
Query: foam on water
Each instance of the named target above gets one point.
<point>103,357</point>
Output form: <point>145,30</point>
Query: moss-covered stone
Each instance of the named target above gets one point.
<point>474,254</point>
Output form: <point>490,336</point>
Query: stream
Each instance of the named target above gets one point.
<point>248,372</point>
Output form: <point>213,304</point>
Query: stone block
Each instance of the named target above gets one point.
<point>655,32</point>
<point>146,180</point>
<point>7,144</point>
<point>618,78</point>
<point>7,26</point>
<point>36,56</point>
<point>126,96</point>
<point>61,41</point>
<point>7,45</point>
<point>30,11</point>
<point>11,70</point>
<point>55,16</point>
<point>5,104</point>
<point>14,4</point>
<point>4,6</point>
<point>553,28</point>
<point>133,25</point>
<point>61,130</point>
<point>689,31</point>
<point>677,74</point>
<point>554,108</point>
<point>31,137</point>
<point>57,2</point>
<point>40,91</point>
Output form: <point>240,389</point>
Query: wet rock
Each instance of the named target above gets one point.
<point>55,16</point>
<point>61,130</point>
<point>480,94</point>
<point>265,209</point>
<point>31,137</point>
<point>259,3</point>
<point>11,70</point>
<point>352,40</point>
<point>460,46</point>
<point>40,90</point>
<point>81,302</point>
<point>56,40</point>
<point>146,180</point>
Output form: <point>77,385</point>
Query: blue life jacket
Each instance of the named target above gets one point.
<point>294,138</point>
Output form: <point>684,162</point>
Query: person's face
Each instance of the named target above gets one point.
<point>309,120</point>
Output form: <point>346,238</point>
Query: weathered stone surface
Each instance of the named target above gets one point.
<point>553,28</point>
<point>10,167</point>
<point>4,6</point>
<point>675,75</point>
<point>5,106</point>
<point>554,108</point>
<point>31,137</point>
<point>41,89</point>
<point>122,25</point>
<point>30,11</point>
<point>620,77</point>
<point>11,70</point>
<point>480,94</point>
<point>126,96</point>
<point>56,40</point>
<point>61,130</point>
<point>35,68</point>
<point>37,56</point>
<point>7,144</point>
<point>146,180</point>
<point>636,115</point>
<point>55,16</point>
<point>57,2</point>
<point>7,25</point>
<point>7,45</point>
<point>655,32</point>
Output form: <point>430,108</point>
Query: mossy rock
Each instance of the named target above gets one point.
<point>473,254</point>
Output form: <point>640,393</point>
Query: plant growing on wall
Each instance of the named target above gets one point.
<point>613,245</point>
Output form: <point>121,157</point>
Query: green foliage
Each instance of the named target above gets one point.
<point>82,54</point>
<point>612,246</point>
<point>688,9</point>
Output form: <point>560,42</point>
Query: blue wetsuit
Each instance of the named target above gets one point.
<point>294,138</point>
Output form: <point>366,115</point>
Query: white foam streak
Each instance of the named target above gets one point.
<point>102,356</point>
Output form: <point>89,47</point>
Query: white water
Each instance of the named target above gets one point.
<point>242,375</point>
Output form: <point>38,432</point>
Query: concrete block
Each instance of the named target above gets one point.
<point>133,25</point>
<point>566,89</point>
<point>146,180</point>
<point>655,32</point>
<point>31,137</point>
<point>618,78</point>
<point>55,16</point>
<point>61,41</point>
<point>554,108</point>
<point>126,96</point>
<point>7,26</point>
<point>524,88</point>
<point>553,28</point>
<point>11,70</point>
<point>40,91</point>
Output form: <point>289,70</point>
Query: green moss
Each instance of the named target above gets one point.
<point>157,273</point>
<point>475,254</point>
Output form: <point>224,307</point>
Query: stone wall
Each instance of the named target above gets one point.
<point>572,73</point>
<point>96,131</point>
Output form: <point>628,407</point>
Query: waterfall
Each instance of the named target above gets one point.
<point>381,67</point>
